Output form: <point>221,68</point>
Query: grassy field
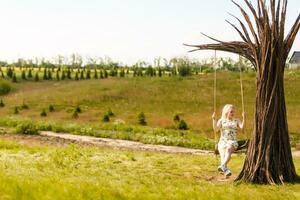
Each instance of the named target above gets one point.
<point>32,171</point>
<point>159,98</point>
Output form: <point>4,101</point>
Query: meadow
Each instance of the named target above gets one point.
<point>160,98</point>
<point>34,171</point>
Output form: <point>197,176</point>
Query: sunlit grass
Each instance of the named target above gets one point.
<point>98,173</point>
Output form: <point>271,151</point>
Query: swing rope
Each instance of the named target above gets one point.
<point>215,97</point>
<point>242,95</point>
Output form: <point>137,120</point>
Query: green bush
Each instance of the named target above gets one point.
<point>106,118</point>
<point>29,73</point>
<point>57,75</point>
<point>24,106</point>
<point>110,113</point>
<point>36,78</point>
<point>76,76</point>
<point>23,75</point>
<point>88,74</point>
<point>5,87</point>
<point>176,118</point>
<point>43,113</point>
<point>14,78</point>
<point>51,108</point>
<point>1,103</point>
<point>75,114</point>
<point>16,110</point>
<point>182,125</point>
<point>142,119</point>
<point>95,74</point>
<point>27,128</point>
<point>78,109</point>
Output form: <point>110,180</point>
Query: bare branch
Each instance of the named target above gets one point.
<point>290,38</point>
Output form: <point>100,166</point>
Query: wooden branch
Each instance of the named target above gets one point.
<point>240,48</point>
<point>247,18</point>
<point>290,38</point>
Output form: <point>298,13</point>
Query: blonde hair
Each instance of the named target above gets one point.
<point>227,108</point>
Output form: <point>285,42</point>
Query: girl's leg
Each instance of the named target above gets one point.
<point>222,154</point>
<point>228,151</point>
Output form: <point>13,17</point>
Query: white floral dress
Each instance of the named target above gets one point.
<point>228,133</point>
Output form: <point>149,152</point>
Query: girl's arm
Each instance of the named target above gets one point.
<point>216,125</point>
<point>241,124</point>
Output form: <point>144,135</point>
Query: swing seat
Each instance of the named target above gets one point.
<point>242,144</point>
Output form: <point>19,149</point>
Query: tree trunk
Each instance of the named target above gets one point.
<point>269,158</point>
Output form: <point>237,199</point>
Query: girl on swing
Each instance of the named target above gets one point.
<point>228,142</point>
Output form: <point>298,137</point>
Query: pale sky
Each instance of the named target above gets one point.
<point>125,30</point>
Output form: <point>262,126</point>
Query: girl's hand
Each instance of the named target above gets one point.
<point>213,116</point>
<point>243,115</point>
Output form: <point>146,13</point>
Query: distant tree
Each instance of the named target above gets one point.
<point>23,76</point>
<point>142,119</point>
<point>95,74</point>
<point>76,76</point>
<point>14,78</point>
<point>29,73</point>
<point>45,77</point>
<point>49,74</point>
<point>57,75</point>
<point>81,75</point>
<point>36,78</point>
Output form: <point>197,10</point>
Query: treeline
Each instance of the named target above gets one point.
<point>75,68</point>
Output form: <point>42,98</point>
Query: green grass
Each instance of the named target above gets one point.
<point>73,172</point>
<point>159,98</point>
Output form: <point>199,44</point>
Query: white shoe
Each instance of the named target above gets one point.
<point>222,169</point>
<point>227,172</point>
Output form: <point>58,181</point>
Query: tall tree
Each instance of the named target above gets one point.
<point>264,43</point>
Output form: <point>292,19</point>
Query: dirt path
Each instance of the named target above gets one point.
<point>124,144</point>
<point>63,139</point>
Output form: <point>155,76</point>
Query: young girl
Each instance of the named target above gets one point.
<point>228,142</point>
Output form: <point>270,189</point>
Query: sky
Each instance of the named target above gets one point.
<point>125,30</point>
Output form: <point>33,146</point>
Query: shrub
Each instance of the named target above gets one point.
<point>1,103</point>
<point>63,76</point>
<point>36,78</point>
<point>10,72</point>
<point>142,119</point>
<point>16,110</point>
<point>105,74</point>
<point>75,114</point>
<point>122,73</point>
<point>176,118</point>
<point>110,113</point>
<point>105,118</point>
<point>57,75</point>
<point>5,87</point>
<point>95,74</point>
<point>81,75</point>
<point>182,125</point>
<point>78,109</point>
<point>14,78</point>
<point>69,74</point>
<point>88,74</point>
<point>24,106</point>
<point>101,74</point>
<point>23,75</point>
<point>51,108</point>
<point>49,74</point>
<point>29,73</point>
<point>45,77</point>
<point>184,70</point>
<point>27,128</point>
<point>76,76</point>
<point>43,113</point>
